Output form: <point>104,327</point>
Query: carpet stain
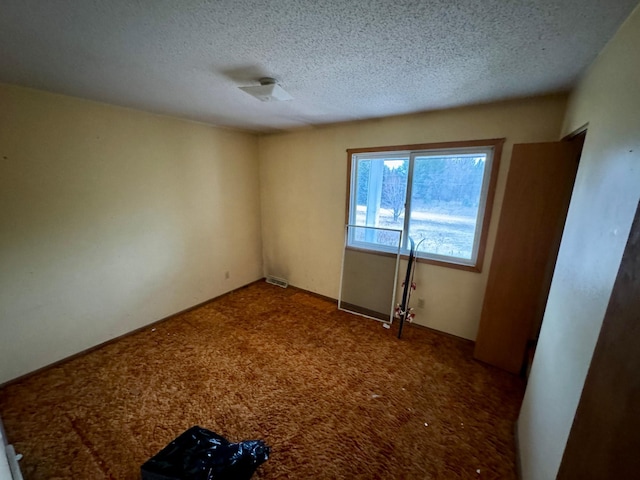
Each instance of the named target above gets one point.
<point>334,395</point>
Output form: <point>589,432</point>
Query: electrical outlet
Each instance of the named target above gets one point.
<point>421,303</point>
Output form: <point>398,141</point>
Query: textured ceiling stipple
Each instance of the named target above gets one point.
<point>341,60</point>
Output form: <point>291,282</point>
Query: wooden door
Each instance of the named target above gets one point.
<point>534,209</point>
<point>604,440</point>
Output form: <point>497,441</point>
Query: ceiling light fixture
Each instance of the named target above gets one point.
<point>268,91</point>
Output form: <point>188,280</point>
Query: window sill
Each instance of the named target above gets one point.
<point>428,261</point>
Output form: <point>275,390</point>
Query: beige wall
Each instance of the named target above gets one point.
<point>111,219</point>
<point>602,207</point>
<point>303,178</point>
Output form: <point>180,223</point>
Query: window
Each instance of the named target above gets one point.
<point>440,195</point>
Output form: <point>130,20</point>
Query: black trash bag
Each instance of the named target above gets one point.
<point>200,454</point>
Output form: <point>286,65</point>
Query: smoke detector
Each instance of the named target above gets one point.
<point>268,91</point>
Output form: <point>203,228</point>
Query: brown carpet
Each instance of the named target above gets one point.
<point>334,395</point>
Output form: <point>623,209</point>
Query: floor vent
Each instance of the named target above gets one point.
<point>281,282</point>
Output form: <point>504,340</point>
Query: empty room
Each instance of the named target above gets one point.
<point>333,239</point>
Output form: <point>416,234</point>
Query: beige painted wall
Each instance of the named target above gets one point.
<point>111,219</point>
<point>303,178</point>
<point>605,197</point>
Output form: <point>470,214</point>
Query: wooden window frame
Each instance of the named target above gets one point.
<point>495,143</point>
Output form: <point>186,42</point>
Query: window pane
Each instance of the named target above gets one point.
<point>381,186</point>
<point>445,198</point>
<point>448,188</point>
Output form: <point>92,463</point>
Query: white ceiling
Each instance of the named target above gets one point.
<point>341,60</point>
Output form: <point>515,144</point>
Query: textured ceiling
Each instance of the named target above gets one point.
<point>341,60</point>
